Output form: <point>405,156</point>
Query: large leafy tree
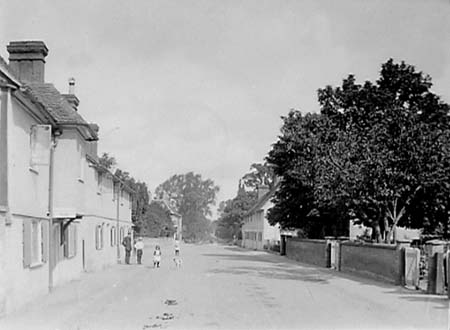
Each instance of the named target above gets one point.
<point>191,196</point>
<point>378,150</point>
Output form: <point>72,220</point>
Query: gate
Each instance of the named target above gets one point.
<point>412,269</point>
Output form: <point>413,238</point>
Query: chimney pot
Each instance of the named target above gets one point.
<point>72,86</point>
<point>27,60</point>
<point>70,97</point>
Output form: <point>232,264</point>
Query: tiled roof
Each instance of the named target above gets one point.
<point>263,200</point>
<point>55,103</point>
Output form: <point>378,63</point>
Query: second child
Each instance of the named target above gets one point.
<point>156,257</point>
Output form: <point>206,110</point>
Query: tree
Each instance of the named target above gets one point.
<point>377,150</point>
<point>260,174</point>
<point>192,197</point>
<point>107,161</point>
<point>196,227</point>
<point>232,212</point>
<point>157,221</point>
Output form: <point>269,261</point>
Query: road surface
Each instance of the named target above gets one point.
<point>226,287</point>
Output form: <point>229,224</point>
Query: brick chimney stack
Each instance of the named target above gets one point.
<point>27,60</point>
<point>71,98</point>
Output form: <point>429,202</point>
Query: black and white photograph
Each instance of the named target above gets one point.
<point>224,164</point>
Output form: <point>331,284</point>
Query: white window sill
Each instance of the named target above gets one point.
<point>36,264</point>
<point>33,170</point>
<point>80,180</point>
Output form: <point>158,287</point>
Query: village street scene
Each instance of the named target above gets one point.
<point>225,165</point>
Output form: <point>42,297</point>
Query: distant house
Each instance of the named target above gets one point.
<point>176,218</point>
<point>257,233</point>
<point>60,211</point>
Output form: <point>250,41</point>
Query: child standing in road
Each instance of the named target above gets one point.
<point>156,256</point>
<point>177,247</point>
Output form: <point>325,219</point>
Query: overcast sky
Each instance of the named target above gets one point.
<point>180,86</point>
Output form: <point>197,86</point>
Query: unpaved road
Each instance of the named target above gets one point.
<point>224,287</point>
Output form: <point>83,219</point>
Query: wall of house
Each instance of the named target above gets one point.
<point>23,283</point>
<point>69,181</point>
<point>28,199</point>
<point>98,257</point>
<point>308,251</point>
<point>68,268</point>
<point>3,273</point>
<point>271,234</point>
<point>379,261</point>
<point>101,210</point>
<point>28,187</point>
<point>252,230</point>
<point>261,233</point>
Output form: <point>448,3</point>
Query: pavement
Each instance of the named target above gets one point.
<point>226,287</point>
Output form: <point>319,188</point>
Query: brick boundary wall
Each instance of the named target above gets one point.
<point>309,251</point>
<point>377,261</point>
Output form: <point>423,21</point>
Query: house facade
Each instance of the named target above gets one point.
<point>61,213</point>
<point>257,233</point>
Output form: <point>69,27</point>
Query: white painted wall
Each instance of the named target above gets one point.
<point>28,189</point>
<point>22,284</point>
<point>257,222</point>
<point>68,184</point>
<point>28,198</point>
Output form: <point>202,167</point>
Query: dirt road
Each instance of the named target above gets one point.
<point>225,287</point>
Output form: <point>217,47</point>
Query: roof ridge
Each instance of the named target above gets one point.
<point>260,202</point>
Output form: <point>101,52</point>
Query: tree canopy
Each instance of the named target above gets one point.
<point>156,221</point>
<point>232,212</point>
<point>377,151</point>
<point>192,197</point>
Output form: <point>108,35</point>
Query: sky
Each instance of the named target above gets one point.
<point>201,85</point>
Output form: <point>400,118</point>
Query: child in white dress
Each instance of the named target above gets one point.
<point>156,256</point>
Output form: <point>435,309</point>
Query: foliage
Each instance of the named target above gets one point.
<point>232,213</point>
<point>107,161</point>
<point>196,227</point>
<point>157,221</point>
<point>378,151</point>
<point>260,174</point>
<point>191,196</point>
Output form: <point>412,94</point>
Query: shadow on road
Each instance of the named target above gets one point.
<point>439,302</point>
<point>263,264</point>
<point>243,257</point>
<point>276,272</point>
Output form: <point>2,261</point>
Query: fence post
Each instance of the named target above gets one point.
<point>283,245</point>
<point>435,267</point>
<point>401,246</point>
